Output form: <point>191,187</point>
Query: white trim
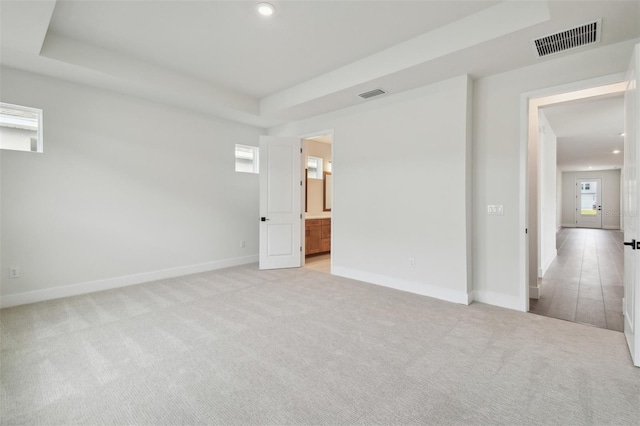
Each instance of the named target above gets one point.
<point>523,217</point>
<point>501,300</point>
<point>545,266</point>
<point>568,225</point>
<point>40,132</point>
<point>534,292</point>
<point>405,285</point>
<point>127,280</point>
<point>613,228</point>
<point>523,192</point>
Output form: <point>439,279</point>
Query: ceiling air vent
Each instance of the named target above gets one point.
<point>570,39</point>
<point>372,93</point>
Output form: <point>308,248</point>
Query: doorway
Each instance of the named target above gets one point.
<point>584,284</point>
<point>576,268</point>
<point>318,205</point>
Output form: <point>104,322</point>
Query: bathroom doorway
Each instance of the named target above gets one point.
<point>318,203</point>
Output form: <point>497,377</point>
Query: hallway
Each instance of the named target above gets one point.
<point>584,283</point>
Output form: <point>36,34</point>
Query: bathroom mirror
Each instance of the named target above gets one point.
<point>326,193</point>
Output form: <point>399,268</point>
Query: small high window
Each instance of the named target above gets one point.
<point>246,158</point>
<point>314,167</point>
<point>20,128</point>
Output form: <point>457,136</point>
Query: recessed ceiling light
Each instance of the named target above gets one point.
<point>590,167</point>
<point>616,151</point>
<point>265,9</point>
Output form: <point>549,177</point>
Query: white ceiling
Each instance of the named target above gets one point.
<point>221,58</point>
<point>588,132</point>
<point>227,42</point>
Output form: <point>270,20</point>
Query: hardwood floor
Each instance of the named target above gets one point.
<point>585,282</point>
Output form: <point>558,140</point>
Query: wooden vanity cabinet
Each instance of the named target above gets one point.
<point>317,236</point>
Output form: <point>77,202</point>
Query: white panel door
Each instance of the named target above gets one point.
<point>589,203</point>
<point>631,301</point>
<point>280,202</point>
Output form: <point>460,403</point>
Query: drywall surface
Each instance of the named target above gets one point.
<point>400,170</point>
<point>610,197</point>
<point>124,188</point>
<point>499,164</point>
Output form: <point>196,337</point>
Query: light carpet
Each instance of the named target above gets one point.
<point>242,346</point>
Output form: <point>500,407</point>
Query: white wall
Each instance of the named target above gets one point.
<point>610,197</point>
<point>499,164</point>
<point>391,200</point>
<point>124,187</point>
<point>547,195</point>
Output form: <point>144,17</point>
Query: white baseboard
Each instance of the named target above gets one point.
<point>534,292</point>
<point>499,299</point>
<point>405,285</point>
<point>573,225</point>
<point>109,283</point>
<point>546,264</point>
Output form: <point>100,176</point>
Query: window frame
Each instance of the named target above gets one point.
<point>319,169</point>
<point>255,166</point>
<point>39,132</point>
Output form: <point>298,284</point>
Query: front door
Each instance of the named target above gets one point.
<point>631,301</point>
<point>589,203</point>
<point>280,202</point>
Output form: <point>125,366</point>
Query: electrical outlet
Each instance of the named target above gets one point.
<point>14,272</point>
<point>242,244</point>
<point>495,209</point>
<point>412,262</point>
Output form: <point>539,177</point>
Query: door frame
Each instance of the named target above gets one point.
<point>304,188</point>
<point>528,102</point>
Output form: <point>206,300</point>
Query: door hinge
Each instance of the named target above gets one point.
<point>300,249</point>
<point>300,183</point>
<point>300,215</point>
<point>300,150</point>
<point>526,231</point>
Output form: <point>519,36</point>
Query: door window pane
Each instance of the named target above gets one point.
<point>589,198</point>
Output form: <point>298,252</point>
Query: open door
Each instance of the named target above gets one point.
<point>631,301</point>
<point>280,202</point>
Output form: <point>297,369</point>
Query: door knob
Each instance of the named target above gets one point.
<point>264,219</point>
<point>632,244</point>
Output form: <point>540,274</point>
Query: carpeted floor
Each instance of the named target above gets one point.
<point>240,346</point>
